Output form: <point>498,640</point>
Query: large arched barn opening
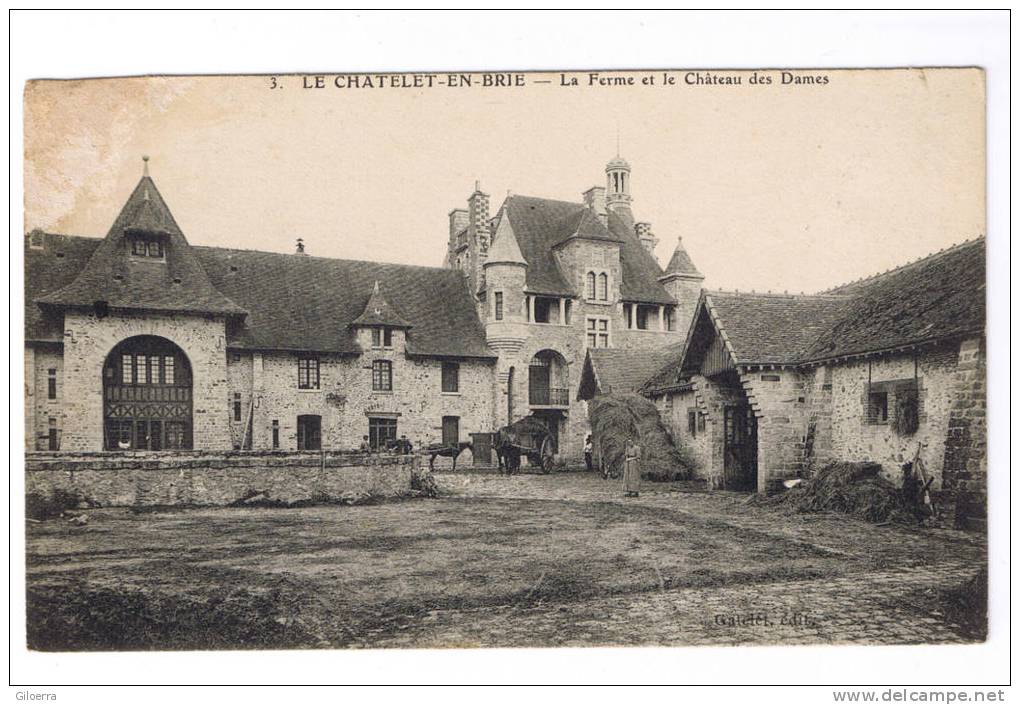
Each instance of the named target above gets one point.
<point>147,396</point>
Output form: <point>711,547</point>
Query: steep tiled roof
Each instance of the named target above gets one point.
<point>379,312</point>
<point>939,297</point>
<point>772,328</point>
<point>540,224</point>
<point>111,274</point>
<point>49,269</point>
<point>293,302</point>
<point>624,371</point>
<point>680,263</point>
<point>306,303</point>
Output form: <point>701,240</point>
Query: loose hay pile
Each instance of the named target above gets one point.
<point>851,488</point>
<point>615,418</point>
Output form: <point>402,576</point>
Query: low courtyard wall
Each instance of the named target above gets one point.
<point>203,478</point>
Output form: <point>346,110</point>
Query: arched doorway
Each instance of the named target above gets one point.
<point>147,396</point>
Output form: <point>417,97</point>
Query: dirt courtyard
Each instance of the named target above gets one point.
<point>559,560</point>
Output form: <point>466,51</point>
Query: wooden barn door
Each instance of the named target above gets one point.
<point>740,448</point>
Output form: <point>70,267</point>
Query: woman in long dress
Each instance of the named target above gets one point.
<point>632,468</point>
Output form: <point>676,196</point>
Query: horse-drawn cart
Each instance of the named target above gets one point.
<point>529,437</point>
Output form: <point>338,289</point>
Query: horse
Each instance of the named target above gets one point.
<point>437,449</point>
<point>508,455</point>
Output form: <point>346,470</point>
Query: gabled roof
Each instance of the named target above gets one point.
<point>293,302</point>
<point>680,264</point>
<point>50,269</point>
<point>112,275</point>
<point>771,328</point>
<point>307,303</point>
<point>616,371</point>
<point>379,313</point>
<point>939,297</point>
<point>540,224</point>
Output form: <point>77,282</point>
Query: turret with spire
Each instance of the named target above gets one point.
<point>683,281</point>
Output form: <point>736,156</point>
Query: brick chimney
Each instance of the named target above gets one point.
<point>595,200</point>
<point>478,209</point>
<point>644,234</point>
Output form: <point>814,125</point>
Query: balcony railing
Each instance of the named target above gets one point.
<point>549,396</point>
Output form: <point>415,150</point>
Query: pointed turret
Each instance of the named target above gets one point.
<point>680,264</point>
<point>144,263</point>
<point>378,313</point>
<point>683,281</point>
<point>505,249</point>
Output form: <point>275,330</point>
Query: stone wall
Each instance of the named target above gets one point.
<point>88,339</point>
<point>39,408</point>
<point>217,479</point>
<point>780,406</point>
<point>674,408</point>
<point>964,469</point>
<point>345,398</point>
<point>854,438</point>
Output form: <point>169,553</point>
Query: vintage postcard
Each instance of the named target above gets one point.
<point>659,357</point>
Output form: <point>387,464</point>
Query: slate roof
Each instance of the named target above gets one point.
<point>772,328</point>
<point>940,297</point>
<point>540,224</point>
<point>47,270</point>
<point>680,263</point>
<point>293,302</point>
<point>379,313</point>
<point>624,371</point>
<point>111,274</point>
<point>307,303</point>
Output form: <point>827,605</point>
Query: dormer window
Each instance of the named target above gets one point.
<point>147,246</point>
<point>382,337</point>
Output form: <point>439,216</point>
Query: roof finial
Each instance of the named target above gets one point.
<point>375,289</point>
<point>145,165</point>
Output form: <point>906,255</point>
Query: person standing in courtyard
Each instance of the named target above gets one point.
<point>588,448</point>
<point>632,468</point>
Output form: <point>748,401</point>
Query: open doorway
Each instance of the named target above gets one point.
<point>740,448</point>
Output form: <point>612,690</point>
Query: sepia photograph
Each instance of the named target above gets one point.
<point>526,359</point>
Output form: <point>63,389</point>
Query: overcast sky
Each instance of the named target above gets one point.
<point>771,187</point>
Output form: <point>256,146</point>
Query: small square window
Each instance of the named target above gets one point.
<point>878,407</point>
<point>451,377</point>
<point>308,373</point>
<point>382,376</point>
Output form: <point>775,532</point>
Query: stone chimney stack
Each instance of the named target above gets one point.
<point>478,209</point>
<point>458,221</point>
<point>595,200</point>
<point>644,234</point>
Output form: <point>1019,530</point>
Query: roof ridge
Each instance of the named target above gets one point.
<point>775,294</point>
<point>322,257</point>
<point>920,260</point>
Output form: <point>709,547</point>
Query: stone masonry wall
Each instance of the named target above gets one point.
<point>779,403</point>
<point>673,408</point>
<point>89,339</point>
<point>44,359</point>
<point>853,438</point>
<point>345,398</point>
<point>200,478</point>
<point>964,470</point>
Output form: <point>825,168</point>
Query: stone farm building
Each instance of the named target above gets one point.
<point>769,387</point>
<point>144,341</point>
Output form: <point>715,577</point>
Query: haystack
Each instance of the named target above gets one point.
<point>851,488</point>
<point>615,418</point>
